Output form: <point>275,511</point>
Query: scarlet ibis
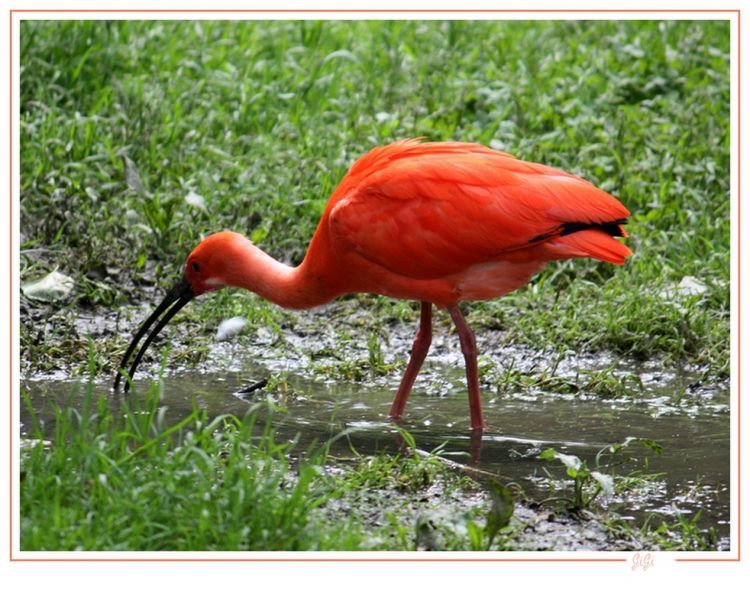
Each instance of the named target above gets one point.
<point>437,222</point>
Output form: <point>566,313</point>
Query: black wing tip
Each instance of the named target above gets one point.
<point>612,228</point>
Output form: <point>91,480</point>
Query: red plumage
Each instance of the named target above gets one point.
<point>437,222</point>
<point>446,212</point>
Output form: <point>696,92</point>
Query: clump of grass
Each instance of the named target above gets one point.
<point>116,475</point>
<point>589,482</point>
<point>338,364</point>
<point>411,501</point>
<point>605,383</point>
<point>405,472</point>
<point>107,480</point>
<point>129,481</point>
<point>668,533</point>
<point>683,533</point>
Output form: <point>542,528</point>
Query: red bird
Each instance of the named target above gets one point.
<point>438,222</point>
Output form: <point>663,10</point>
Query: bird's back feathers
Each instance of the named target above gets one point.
<point>428,210</point>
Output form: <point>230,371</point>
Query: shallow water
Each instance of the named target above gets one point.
<point>693,470</point>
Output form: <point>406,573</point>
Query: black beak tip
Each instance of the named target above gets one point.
<point>174,301</point>
<point>118,379</point>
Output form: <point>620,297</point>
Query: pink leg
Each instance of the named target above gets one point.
<point>418,353</point>
<point>469,349</point>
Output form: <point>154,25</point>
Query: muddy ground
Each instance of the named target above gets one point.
<point>336,368</point>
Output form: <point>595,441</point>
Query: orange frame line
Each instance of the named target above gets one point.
<point>739,299</point>
<point>736,11</point>
<point>320,559</point>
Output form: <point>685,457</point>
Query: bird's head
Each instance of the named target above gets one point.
<point>210,266</point>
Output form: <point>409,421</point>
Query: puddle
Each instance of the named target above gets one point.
<point>690,422</point>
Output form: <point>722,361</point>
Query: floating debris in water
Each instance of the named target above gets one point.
<point>230,327</point>
<point>51,288</point>
<point>253,387</point>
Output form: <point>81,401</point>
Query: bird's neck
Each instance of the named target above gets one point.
<point>286,286</point>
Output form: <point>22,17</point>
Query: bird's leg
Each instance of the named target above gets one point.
<point>469,349</point>
<point>418,353</point>
<point>475,447</point>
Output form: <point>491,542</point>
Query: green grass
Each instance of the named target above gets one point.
<point>115,475</point>
<point>130,482</point>
<point>124,479</point>
<point>121,120</point>
<point>263,119</point>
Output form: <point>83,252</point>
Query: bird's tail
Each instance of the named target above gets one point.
<point>594,243</point>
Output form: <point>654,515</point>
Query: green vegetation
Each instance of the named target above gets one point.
<point>115,475</point>
<point>121,121</point>
<point>127,480</point>
<point>138,484</point>
<point>589,483</point>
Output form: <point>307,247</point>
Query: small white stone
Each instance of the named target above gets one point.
<point>230,327</point>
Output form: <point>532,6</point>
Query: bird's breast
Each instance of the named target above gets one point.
<point>476,282</point>
<point>493,279</point>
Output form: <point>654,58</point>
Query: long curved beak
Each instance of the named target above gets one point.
<point>174,301</point>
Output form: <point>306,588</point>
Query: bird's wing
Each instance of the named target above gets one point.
<point>430,210</point>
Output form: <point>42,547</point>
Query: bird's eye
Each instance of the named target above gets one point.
<point>196,266</point>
